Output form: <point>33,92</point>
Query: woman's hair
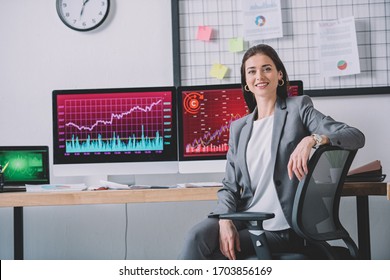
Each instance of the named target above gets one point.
<point>271,53</point>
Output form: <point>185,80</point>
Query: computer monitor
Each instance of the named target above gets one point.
<point>117,131</point>
<point>25,165</point>
<point>205,114</point>
<point>295,88</point>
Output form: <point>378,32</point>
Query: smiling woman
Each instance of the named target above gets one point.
<point>276,137</point>
<point>83,16</point>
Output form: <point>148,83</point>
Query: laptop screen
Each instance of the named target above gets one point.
<point>25,165</point>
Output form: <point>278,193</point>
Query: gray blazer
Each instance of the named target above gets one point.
<point>294,119</point>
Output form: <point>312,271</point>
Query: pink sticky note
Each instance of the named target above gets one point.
<point>204,33</point>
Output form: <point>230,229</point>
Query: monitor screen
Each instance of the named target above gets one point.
<point>295,88</point>
<point>114,125</point>
<point>25,165</point>
<point>205,115</point>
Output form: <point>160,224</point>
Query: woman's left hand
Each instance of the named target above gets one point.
<point>298,159</point>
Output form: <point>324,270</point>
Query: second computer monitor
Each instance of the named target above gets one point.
<point>205,114</point>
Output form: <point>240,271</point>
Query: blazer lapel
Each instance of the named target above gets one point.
<point>280,115</point>
<point>244,139</point>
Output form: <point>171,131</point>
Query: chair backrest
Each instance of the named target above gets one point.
<point>317,200</point>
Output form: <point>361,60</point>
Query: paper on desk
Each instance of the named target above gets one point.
<point>200,185</point>
<point>56,188</point>
<point>113,186</point>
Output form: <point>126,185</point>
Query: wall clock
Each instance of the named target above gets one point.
<point>83,15</point>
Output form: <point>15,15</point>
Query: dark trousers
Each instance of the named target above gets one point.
<point>202,241</point>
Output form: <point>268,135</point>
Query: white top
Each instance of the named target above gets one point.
<point>258,157</point>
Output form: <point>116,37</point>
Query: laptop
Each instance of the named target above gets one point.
<point>23,165</point>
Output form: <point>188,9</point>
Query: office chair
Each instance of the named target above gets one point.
<point>315,214</point>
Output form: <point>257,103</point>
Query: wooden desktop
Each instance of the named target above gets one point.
<point>18,200</point>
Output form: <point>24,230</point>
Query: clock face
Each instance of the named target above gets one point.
<point>83,15</point>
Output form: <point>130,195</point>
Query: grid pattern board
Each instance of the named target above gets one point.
<point>297,48</point>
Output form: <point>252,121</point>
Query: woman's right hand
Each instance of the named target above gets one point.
<point>228,239</point>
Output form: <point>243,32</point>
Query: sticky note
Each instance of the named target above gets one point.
<point>236,45</point>
<point>204,33</point>
<point>218,71</point>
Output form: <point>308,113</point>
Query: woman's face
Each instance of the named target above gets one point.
<point>262,76</point>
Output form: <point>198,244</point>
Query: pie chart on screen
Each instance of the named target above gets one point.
<point>342,65</point>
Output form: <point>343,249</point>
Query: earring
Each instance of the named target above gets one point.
<point>246,88</point>
<point>281,84</point>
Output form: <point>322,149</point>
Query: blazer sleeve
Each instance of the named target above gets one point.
<point>339,134</point>
<point>229,195</point>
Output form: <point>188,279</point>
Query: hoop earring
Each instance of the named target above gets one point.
<point>281,84</point>
<point>246,88</point>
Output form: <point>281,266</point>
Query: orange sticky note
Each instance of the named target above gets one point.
<point>218,71</point>
<point>204,33</point>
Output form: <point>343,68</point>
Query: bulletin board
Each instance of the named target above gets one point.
<point>298,48</point>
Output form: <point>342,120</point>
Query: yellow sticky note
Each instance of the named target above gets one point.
<point>236,45</point>
<point>218,71</point>
<point>204,33</point>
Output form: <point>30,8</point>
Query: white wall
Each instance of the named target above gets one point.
<point>39,54</point>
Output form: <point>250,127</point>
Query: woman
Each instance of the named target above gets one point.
<point>268,154</point>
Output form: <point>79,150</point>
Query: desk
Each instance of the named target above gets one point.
<point>18,200</point>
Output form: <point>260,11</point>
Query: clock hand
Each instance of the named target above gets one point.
<point>82,9</point>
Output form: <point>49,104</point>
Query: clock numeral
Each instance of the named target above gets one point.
<point>93,20</point>
<point>67,14</point>
<point>103,3</point>
<point>84,23</point>
<point>101,13</point>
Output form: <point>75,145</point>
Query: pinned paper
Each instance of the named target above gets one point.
<point>204,33</point>
<point>338,49</point>
<point>236,45</point>
<point>218,71</point>
<point>262,19</point>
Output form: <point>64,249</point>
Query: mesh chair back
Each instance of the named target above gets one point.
<point>317,200</point>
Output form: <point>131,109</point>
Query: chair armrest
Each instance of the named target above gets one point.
<point>247,216</point>
<point>256,230</point>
